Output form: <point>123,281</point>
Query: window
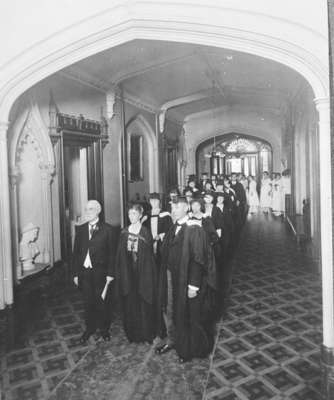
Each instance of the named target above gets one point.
<point>136,158</point>
<point>241,145</point>
<point>236,165</point>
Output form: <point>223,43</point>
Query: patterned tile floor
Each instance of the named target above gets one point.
<point>267,345</point>
<point>47,351</point>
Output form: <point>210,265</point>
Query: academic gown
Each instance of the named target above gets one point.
<point>228,246</point>
<point>217,219</point>
<point>240,194</point>
<point>137,281</point>
<point>190,251</point>
<point>164,222</point>
<point>214,241</point>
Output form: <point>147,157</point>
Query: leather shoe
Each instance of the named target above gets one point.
<point>165,348</point>
<point>85,336</point>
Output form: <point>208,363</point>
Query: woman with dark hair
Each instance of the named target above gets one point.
<point>192,183</point>
<point>136,279</point>
<point>188,193</point>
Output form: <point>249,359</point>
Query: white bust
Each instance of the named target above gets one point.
<point>28,248</point>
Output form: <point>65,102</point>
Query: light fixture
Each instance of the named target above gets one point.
<point>215,152</point>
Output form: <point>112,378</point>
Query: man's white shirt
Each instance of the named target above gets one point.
<point>88,262</point>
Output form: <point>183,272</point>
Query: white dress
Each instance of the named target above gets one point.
<point>265,194</point>
<point>277,195</point>
<point>253,197</point>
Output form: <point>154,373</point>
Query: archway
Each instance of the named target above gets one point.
<point>234,152</point>
<point>119,25</point>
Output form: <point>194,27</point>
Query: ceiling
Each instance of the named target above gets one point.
<point>189,79</point>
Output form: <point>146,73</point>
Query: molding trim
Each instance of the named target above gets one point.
<point>202,114</point>
<point>121,24</point>
<point>3,131</point>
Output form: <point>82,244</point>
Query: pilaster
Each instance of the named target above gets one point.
<point>6,273</point>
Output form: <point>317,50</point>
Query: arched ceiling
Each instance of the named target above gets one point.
<point>188,79</point>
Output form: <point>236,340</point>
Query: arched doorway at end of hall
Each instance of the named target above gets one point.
<point>234,153</point>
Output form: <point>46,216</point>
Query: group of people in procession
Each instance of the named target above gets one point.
<point>170,268</point>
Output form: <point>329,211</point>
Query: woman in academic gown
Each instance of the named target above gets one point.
<point>136,279</point>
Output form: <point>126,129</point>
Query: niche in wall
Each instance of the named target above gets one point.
<point>32,167</point>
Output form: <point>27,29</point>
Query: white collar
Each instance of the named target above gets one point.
<point>183,220</point>
<point>94,222</point>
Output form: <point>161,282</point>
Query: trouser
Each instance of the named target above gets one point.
<point>97,313</point>
<point>168,313</point>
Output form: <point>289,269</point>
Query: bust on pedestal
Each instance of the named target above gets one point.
<point>28,247</point>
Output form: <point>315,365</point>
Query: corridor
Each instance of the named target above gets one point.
<point>267,345</point>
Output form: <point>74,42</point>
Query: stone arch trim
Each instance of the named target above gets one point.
<point>123,23</point>
<point>242,131</point>
<point>229,134</point>
<point>30,126</point>
<point>140,122</point>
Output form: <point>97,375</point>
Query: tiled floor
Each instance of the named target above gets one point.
<point>267,346</point>
<point>48,351</point>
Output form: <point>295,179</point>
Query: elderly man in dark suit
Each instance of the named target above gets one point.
<point>93,266</point>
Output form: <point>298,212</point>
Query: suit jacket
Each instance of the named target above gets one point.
<point>102,248</point>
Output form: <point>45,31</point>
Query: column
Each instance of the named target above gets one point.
<point>6,273</point>
<point>323,107</point>
<point>47,172</point>
<point>14,176</point>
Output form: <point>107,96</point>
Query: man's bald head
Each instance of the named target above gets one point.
<point>92,210</point>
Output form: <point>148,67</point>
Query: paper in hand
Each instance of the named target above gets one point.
<point>104,291</point>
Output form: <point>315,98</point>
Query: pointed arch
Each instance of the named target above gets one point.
<point>140,124</point>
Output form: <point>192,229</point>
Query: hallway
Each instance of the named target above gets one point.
<point>267,346</point>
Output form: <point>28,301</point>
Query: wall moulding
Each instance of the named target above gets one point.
<point>119,24</point>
